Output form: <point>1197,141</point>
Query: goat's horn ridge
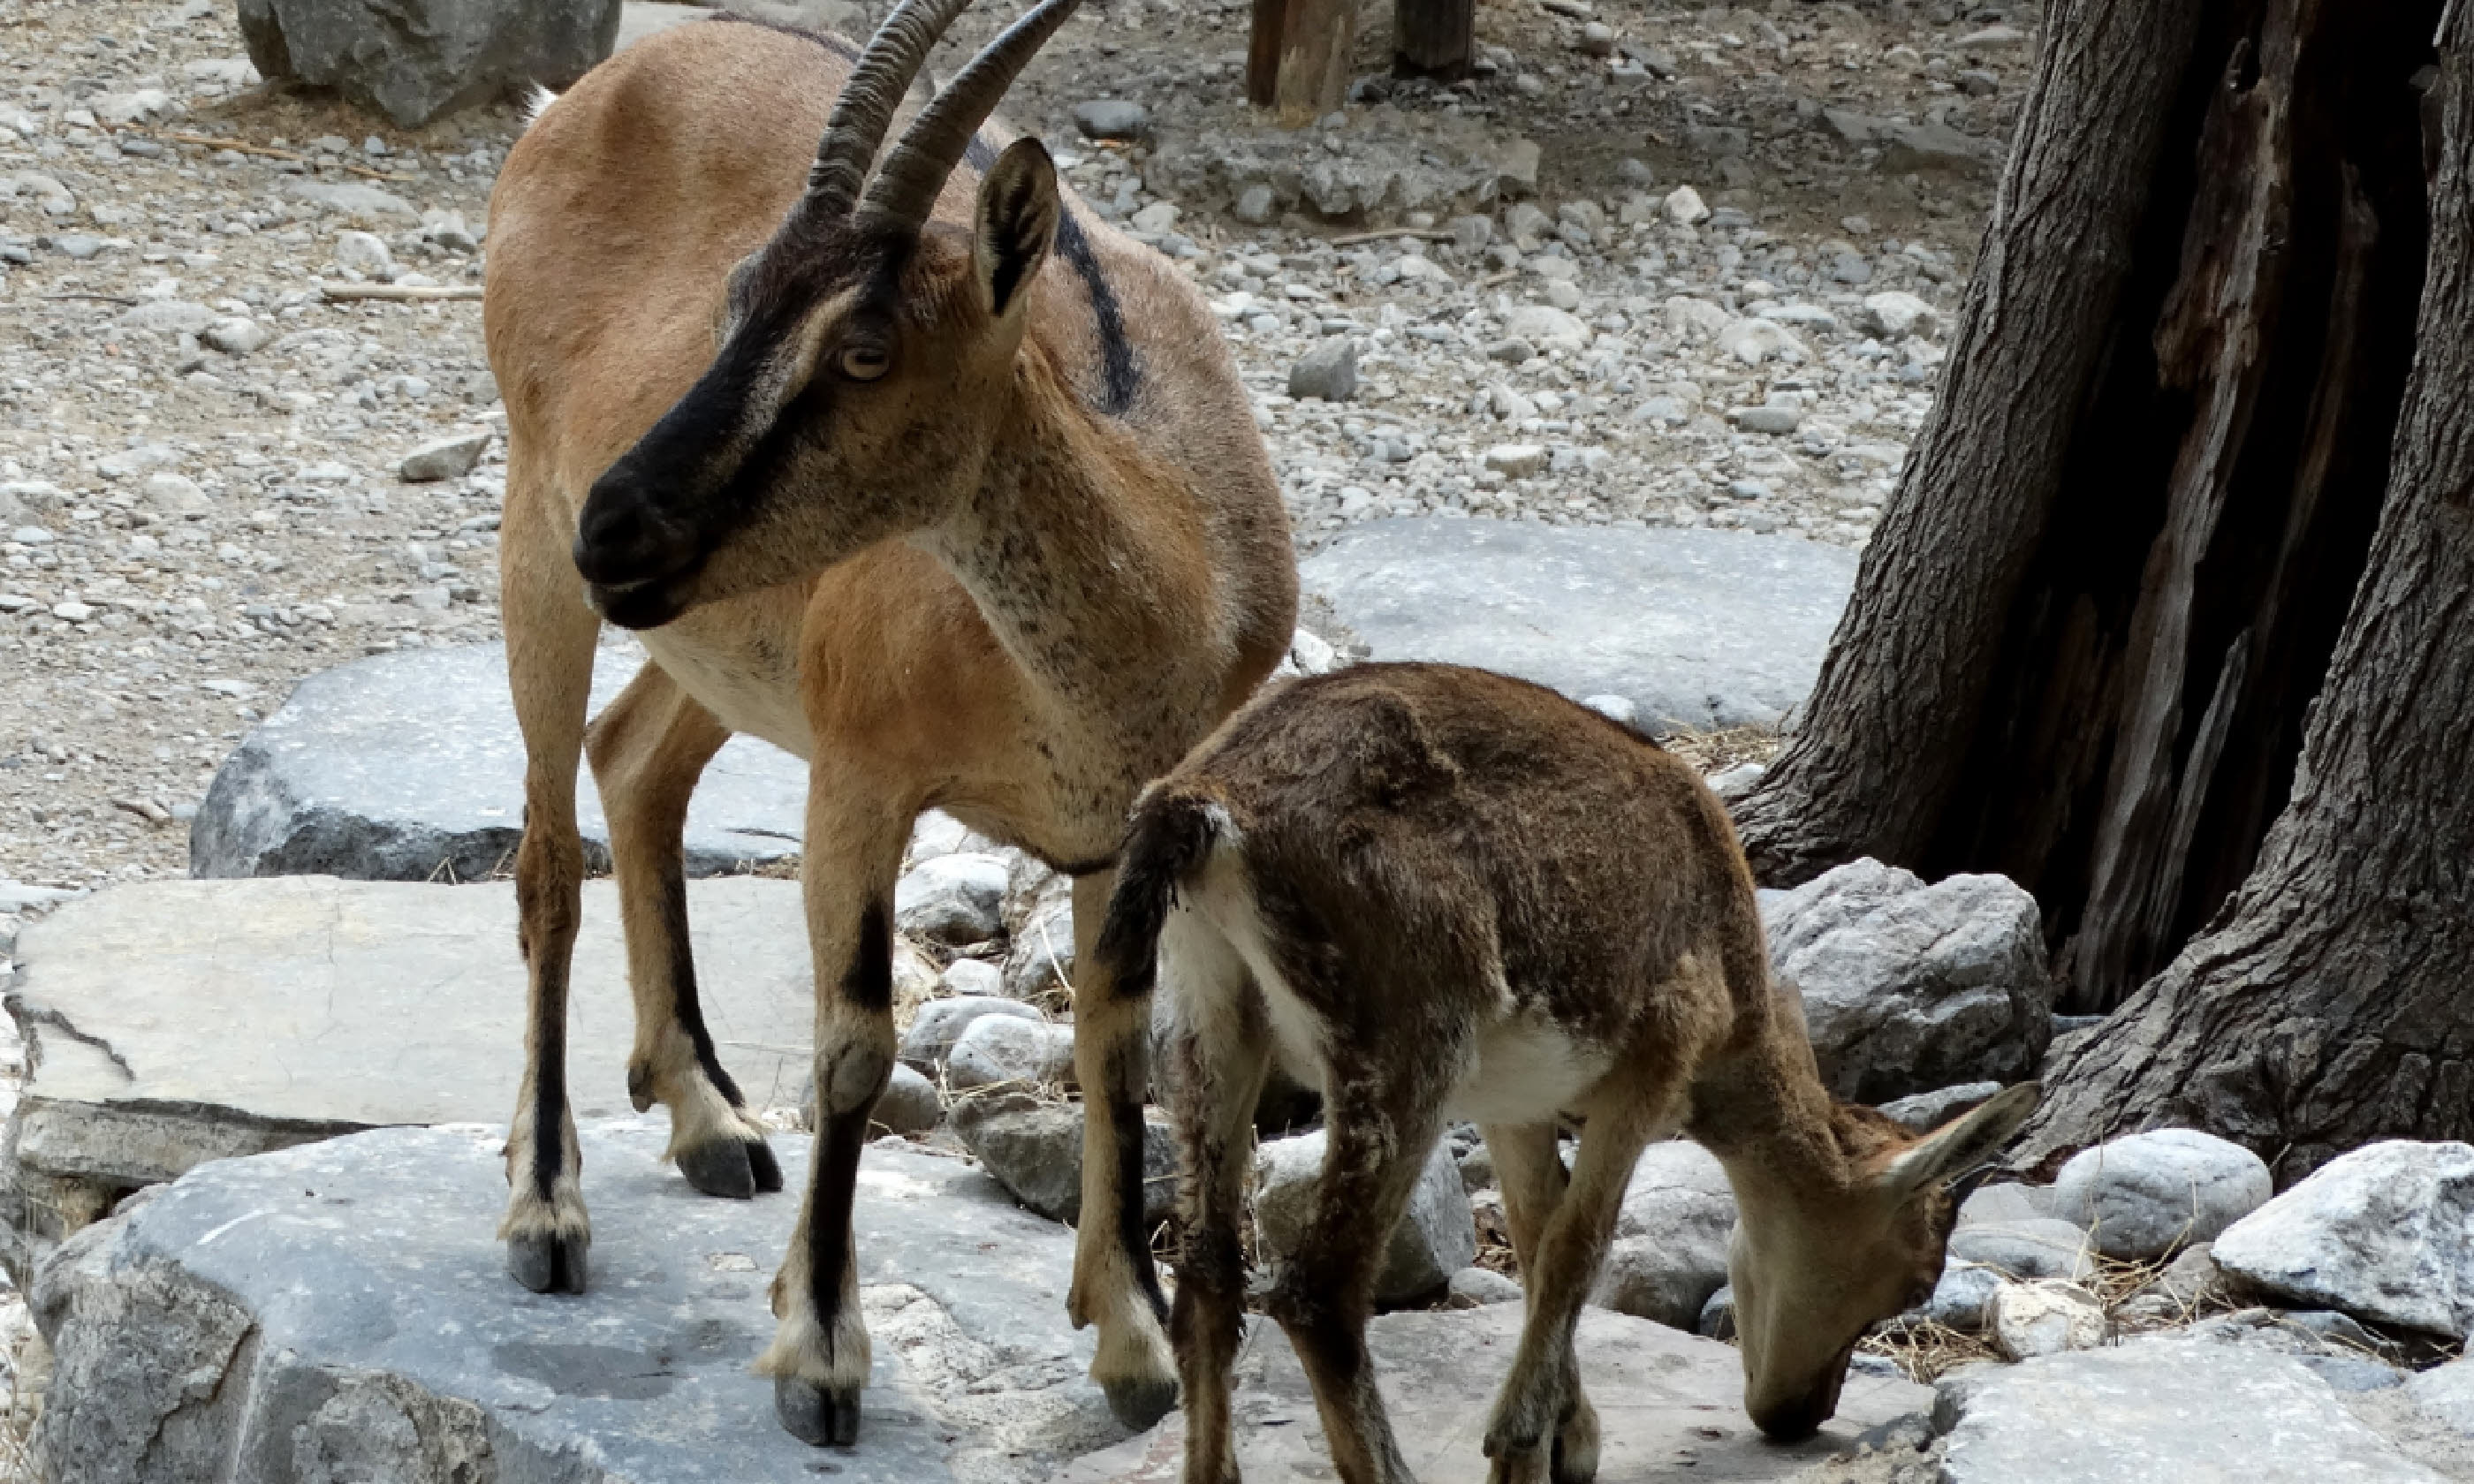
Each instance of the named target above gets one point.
<point>905,189</point>
<point>882,74</point>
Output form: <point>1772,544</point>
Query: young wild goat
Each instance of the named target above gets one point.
<point>1445,893</point>
<point>930,478</point>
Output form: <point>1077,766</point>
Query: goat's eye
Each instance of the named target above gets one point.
<point>865,363</point>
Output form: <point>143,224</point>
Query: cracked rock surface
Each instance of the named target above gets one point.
<point>339,1313</point>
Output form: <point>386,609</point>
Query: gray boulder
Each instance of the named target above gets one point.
<point>1005,1051</point>
<point>408,767</point>
<point>1908,987</point>
<point>1036,1153</point>
<point>1328,371</point>
<point>415,59</point>
<point>1040,959</point>
<point>1670,1248</point>
<point>2384,1233</point>
<point>2162,1410</point>
<point>909,1104</point>
<point>941,1022</point>
<point>2147,1195</point>
<point>1960,1300</point>
<point>339,1313</point>
<point>1437,1236</point>
<point>1702,628</point>
<point>957,899</point>
<point>2039,1247</point>
<point>1922,1112</point>
<point>2446,1394</point>
<point>1477,1287</point>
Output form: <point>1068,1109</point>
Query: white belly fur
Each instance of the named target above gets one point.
<point>742,702</point>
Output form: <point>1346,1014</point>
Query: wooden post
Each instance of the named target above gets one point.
<point>1436,38</point>
<point>1299,57</point>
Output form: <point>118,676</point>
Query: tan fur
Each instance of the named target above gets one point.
<point>982,593</point>
<point>1423,865</point>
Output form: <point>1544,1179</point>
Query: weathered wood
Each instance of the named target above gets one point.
<point>1436,38</point>
<point>1298,56</point>
<point>398,293</point>
<point>2328,1007</point>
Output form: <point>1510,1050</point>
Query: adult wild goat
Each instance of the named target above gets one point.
<point>953,492</point>
<point>1440,893</point>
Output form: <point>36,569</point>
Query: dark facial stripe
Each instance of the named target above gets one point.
<point>685,1006</point>
<point>829,1212</point>
<point>1116,372</point>
<point>869,983</point>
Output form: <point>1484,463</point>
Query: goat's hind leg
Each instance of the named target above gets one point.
<point>648,751</point>
<point>550,676</point>
<point>1223,1055</point>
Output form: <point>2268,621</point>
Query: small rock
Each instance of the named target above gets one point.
<point>1895,315</point>
<point>909,1104</point>
<point>1771,419</point>
<point>2026,1250</point>
<point>364,253</point>
<point>1036,1153</point>
<point>1328,371</point>
<point>2384,1234</point>
<point>2028,1320</point>
<point>1436,1237</point>
<point>168,316</point>
<point>1670,1250</point>
<point>954,900</point>
<point>1732,783</point>
<point>1516,461</point>
<point>1478,1288</point>
<point>72,612</point>
<point>2446,1393</point>
<point>1718,1316</point>
<point>446,458</point>
<point>1597,39</point>
<point>1961,1299</point>
<point>972,978</point>
<point>174,495</point>
<point>1684,206</point>
<point>1160,216</point>
<point>1548,328</point>
<point>1753,341</point>
<point>2147,1195</point>
<point>941,1022</point>
<point>236,335</point>
<point>1992,38</point>
<point>1922,1112</point>
<point>1976,83</point>
<point>1008,1051</point>
<point>1472,234</point>
<point>1621,710</point>
<point>1111,118</point>
<point>1990,1205</point>
<point>1255,205</point>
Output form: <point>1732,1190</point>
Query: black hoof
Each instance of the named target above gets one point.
<point>815,1416</point>
<point>548,1264</point>
<point>1140,1405</point>
<point>730,1167</point>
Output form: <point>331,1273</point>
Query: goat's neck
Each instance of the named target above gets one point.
<point>1093,588</point>
<point>1762,1110</point>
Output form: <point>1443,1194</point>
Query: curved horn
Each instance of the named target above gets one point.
<point>877,82</point>
<point>906,186</point>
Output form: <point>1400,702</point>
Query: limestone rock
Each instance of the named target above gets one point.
<point>1895,315</point>
<point>416,60</point>
<point>2028,1320</point>
<point>1436,1237</point>
<point>956,898</point>
<point>1328,371</point>
<point>1111,118</point>
<point>2163,1410</point>
<point>1961,1300</point>
<point>1670,1250</point>
<point>1548,328</point>
<point>1477,1287</point>
<point>2031,1249</point>
<point>941,1022</point>
<point>339,1313</point>
<point>445,458</point>
<point>408,767</point>
<point>1006,1051</point>
<point>2144,1196</point>
<point>1703,629</point>
<point>1908,987</point>
<point>2447,1392</point>
<point>2384,1234</point>
<point>1036,1153</point>
<point>909,1104</point>
<point>1922,1112</point>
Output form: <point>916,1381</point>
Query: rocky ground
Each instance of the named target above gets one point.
<point>1642,281</point>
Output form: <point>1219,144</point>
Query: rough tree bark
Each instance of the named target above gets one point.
<point>2084,642</point>
<point>2333,1001</point>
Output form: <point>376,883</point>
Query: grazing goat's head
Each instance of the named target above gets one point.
<point>1813,1269</point>
<point>864,351</point>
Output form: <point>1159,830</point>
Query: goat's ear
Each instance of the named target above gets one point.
<point>1017,223</point>
<point>1957,1148</point>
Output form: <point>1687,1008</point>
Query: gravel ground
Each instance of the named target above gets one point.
<point>1682,322</point>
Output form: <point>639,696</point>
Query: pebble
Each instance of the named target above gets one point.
<point>1111,118</point>
<point>445,458</point>
<point>2028,1320</point>
<point>1515,460</point>
<point>1684,206</point>
<point>1328,371</point>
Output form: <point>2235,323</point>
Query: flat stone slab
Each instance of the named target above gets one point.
<point>1671,1405</point>
<point>341,1312</point>
<point>172,1022</point>
<point>2168,1410</point>
<point>1700,628</point>
<point>408,767</point>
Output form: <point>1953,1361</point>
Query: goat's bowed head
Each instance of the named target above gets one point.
<point>864,350</point>
<point>1810,1282</point>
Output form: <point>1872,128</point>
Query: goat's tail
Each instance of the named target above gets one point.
<point>1175,827</point>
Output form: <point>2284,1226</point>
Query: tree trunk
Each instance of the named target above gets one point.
<point>2083,645</point>
<point>1297,57</point>
<point>2331,1004</point>
<point>1434,38</point>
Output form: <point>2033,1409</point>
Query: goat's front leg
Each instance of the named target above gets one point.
<point>819,1357</point>
<point>1116,1285</point>
<point>1543,1427</point>
<point>647,750</point>
<point>550,676</point>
